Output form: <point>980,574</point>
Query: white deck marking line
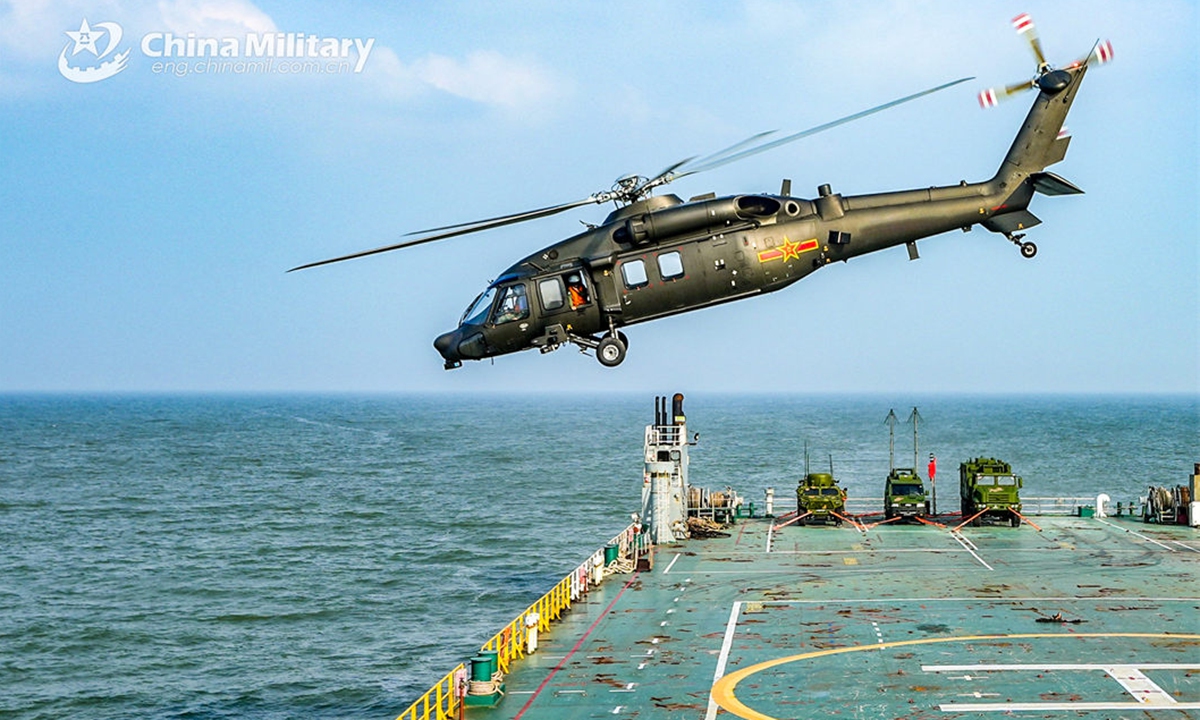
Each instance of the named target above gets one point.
<point>1135,532</point>
<point>975,555</point>
<point>864,550</point>
<point>770,533</point>
<point>1077,706</point>
<point>1130,676</point>
<point>1185,546</point>
<point>966,541</point>
<point>1031,598</point>
<point>672,564</point>
<point>730,629</point>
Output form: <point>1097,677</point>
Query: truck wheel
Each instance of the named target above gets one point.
<point>976,522</point>
<point>611,351</point>
<point>1015,521</point>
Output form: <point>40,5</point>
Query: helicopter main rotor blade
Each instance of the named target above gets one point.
<point>669,174</point>
<point>725,160</point>
<point>514,217</point>
<point>459,229</point>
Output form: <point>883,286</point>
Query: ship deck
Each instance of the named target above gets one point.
<point>894,621</point>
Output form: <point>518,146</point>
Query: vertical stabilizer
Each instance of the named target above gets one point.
<point>1041,141</point>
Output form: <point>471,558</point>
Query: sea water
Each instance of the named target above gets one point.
<point>332,557</point>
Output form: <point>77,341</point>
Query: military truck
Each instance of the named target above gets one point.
<point>904,495</point>
<point>988,485</point>
<point>821,496</point>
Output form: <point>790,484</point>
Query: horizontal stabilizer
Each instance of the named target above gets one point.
<point>1012,222</point>
<point>1047,183</point>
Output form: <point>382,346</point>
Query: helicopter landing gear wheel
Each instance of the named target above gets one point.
<point>611,351</point>
<point>1028,249</point>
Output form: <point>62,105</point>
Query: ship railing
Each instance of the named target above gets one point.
<point>663,435</point>
<point>1054,505</point>
<point>1029,505</point>
<point>442,701</point>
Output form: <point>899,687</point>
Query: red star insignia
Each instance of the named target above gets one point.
<point>790,249</point>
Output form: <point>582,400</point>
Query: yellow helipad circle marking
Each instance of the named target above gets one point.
<point>723,695</point>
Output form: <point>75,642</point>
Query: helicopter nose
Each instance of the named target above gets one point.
<point>447,345</point>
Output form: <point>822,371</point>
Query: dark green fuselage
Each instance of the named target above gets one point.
<point>661,256</point>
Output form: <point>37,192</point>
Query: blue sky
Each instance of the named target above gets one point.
<point>147,219</point>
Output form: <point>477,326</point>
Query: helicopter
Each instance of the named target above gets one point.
<point>655,255</point>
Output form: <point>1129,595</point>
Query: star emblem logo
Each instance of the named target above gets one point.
<point>108,61</point>
<point>85,39</point>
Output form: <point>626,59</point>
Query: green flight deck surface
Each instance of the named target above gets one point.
<point>897,621</point>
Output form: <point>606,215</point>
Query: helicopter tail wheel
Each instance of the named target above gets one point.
<point>611,351</point>
<point>1028,249</point>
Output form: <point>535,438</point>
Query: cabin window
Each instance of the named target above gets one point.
<point>634,273</point>
<point>513,305</point>
<point>552,294</point>
<point>670,265</point>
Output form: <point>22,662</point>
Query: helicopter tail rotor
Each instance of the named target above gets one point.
<point>1046,78</point>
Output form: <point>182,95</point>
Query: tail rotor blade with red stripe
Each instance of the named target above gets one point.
<point>1023,24</point>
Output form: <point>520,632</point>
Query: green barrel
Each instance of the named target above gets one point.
<point>493,659</point>
<point>611,551</point>
<point>481,668</point>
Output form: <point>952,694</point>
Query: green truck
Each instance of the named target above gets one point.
<point>821,498</point>
<point>904,495</point>
<point>989,490</point>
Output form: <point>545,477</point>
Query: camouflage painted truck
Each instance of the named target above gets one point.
<point>989,491</point>
<point>904,495</point>
<point>820,499</point>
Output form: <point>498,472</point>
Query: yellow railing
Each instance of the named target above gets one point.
<point>443,700</point>
<point>440,702</point>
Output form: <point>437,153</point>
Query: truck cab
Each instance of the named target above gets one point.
<point>989,490</point>
<point>904,494</point>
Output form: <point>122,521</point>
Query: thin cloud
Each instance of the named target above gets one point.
<point>486,77</point>
<point>214,18</point>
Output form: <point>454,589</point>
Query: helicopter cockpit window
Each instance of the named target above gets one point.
<point>513,305</point>
<point>477,313</point>
<point>634,272</point>
<point>552,294</point>
<point>670,265</point>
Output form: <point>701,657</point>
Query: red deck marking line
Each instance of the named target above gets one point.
<point>741,530</point>
<point>578,645</point>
